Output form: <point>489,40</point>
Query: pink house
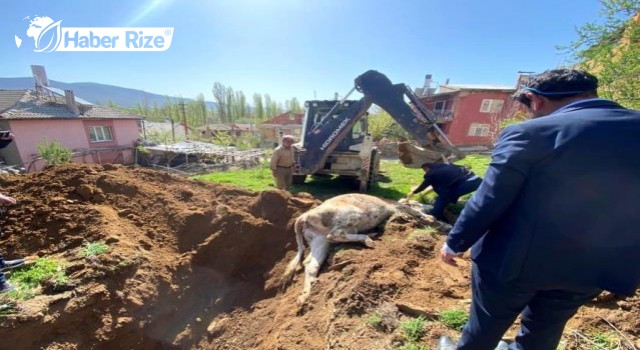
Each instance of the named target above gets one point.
<point>95,134</point>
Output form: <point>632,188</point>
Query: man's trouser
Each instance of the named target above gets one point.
<point>467,186</point>
<point>283,178</point>
<point>2,279</point>
<point>495,305</point>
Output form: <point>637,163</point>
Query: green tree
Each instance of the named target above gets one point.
<point>258,107</point>
<point>231,105</point>
<point>220,97</point>
<point>293,105</point>
<point>271,107</point>
<point>381,125</point>
<point>610,49</point>
<point>201,109</point>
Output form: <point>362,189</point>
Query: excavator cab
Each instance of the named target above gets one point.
<point>317,111</point>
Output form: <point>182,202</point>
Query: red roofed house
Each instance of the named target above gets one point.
<point>469,114</point>
<point>287,123</point>
<point>95,134</point>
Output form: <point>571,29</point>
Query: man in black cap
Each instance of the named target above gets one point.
<point>555,220</point>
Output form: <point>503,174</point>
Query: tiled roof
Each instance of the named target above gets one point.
<point>286,118</point>
<point>29,106</point>
<point>242,127</point>
<point>8,98</point>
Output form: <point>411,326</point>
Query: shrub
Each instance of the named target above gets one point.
<point>373,320</point>
<point>95,248</point>
<point>413,329</point>
<point>53,152</point>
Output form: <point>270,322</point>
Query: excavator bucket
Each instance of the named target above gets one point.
<point>413,156</point>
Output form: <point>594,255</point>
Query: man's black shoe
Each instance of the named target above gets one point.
<point>10,264</point>
<point>6,287</point>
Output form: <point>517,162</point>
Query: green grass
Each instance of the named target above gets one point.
<point>413,329</point>
<point>374,320</point>
<point>28,278</point>
<point>95,248</point>
<point>477,163</point>
<point>454,318</point>
<point>604,340</point>
<point>394,181</point>
<point>413,346</point>
<point>258,179</point>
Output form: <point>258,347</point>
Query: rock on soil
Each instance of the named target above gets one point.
<point>193,265</point>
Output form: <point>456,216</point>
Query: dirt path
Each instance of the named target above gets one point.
<point>194,265</point>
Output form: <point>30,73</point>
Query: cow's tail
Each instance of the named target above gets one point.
<point>298,227</point>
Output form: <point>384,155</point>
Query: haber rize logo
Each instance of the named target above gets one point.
<point>48,35</point>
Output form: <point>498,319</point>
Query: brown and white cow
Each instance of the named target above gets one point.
<point>342,219</point>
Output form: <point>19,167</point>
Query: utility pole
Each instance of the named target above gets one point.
<point>173,131</point>
<point>184,120</point>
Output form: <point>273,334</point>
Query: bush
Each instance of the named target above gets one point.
<point>454,319</point>
<point>95,248</point>
<point>53,152</point>
<point>414,329</point>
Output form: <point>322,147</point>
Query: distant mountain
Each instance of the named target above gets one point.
<point>98,93</point>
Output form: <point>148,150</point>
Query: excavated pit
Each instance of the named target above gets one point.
<point>193,265</point>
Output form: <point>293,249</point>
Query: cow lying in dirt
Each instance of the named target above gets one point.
<point>341,219</point>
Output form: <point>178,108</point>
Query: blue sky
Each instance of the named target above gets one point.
<point>297,48</point>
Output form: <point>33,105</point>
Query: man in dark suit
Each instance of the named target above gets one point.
<point>556,218</point>
<point>449,181</point>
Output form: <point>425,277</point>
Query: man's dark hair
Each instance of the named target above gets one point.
<point>426,165</point>
<point>557,84</point>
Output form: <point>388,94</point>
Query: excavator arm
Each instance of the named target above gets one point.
<point>415,118</point>
<point>323,138</point>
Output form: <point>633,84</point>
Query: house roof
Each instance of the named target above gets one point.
<point>450,88</point>
<point>25,104</point>
<point>242,127</point>
<point>8,98</point>
<point>286,118</point>
<point>216,127</point>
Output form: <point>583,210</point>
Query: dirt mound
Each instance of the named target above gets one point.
<point>197,265</point>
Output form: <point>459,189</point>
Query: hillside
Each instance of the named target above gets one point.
<point>98,93</point>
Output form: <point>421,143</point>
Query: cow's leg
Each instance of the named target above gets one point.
<point>349,234</point>
<point>319,250</point>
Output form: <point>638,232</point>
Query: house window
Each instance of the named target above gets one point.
<point>491,106</point>
<point>479,129</point>
<point>100,134</point>
<point>439,107</point>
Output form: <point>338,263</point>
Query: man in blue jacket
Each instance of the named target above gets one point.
<point>556,218</point>
<point>449,181</point>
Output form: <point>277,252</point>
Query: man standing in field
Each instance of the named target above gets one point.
<point>282,163</point>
